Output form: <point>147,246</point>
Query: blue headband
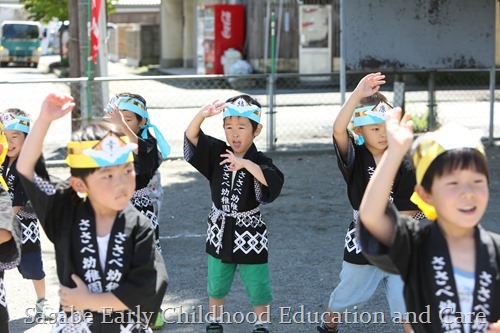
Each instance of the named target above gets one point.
<point>369,115</point>
<point>242,108</point>
<point>136,106</point>
<point>17,123</point>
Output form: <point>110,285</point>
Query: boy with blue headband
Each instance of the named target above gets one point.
<point>241,178</point>
<point>450,264</point>
<point>16,125</point>
<point>131,116</point>
<point>358,153</point>
<point>112,278</point>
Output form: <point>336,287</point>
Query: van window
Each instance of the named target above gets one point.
<point>21,31</point>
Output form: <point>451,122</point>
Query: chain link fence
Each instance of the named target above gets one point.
<point>304,106</point>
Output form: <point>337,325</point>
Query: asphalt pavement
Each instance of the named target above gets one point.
<point>307,225</point>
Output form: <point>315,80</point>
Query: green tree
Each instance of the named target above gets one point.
<point>46,10</point>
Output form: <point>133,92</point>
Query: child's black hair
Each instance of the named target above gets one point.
<point>373,99</point>
<point>455,159</point>
<point>92,132</point>
<point>250,100</point>
<point>136,96</point>
<point>19,113</point>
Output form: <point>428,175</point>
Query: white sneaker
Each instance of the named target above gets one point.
<point>41,309</point>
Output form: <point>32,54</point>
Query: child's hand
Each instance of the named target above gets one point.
<point>235,163</point>
<point>5,236</point>
<point>55,106</point>
<point>74,298</point>
<point>370,84</point>
<point>114,116</point>
<point>399,130</point>
<point>494,328</point>
<point>213,109</point>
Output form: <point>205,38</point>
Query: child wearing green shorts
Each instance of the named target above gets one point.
<point>241,178</point>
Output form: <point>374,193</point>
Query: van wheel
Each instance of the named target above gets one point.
<point>3,64</point>
<point>35,65</point>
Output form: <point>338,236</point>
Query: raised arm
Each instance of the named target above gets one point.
<point>367,86</point>
<point>209,110</point>
<point>54,106</point>
<point>374,202</point>
<point>114,116</point>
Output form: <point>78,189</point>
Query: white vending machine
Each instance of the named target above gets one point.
<point>315,47</point>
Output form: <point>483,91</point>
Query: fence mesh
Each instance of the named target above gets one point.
<point>304,106</point>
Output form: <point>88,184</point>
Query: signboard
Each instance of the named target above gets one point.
<point>315,48</point>
<point>424,34</point>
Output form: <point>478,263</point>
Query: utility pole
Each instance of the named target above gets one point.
<point>74,61</point>
<point>83,36</point>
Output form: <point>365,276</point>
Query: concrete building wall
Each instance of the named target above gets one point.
<point>427,34</point>
<point>448,22</point>
<point>172,34</point>
<point>135,17</point>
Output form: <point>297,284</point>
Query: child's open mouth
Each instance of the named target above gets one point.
<point>468,210</point>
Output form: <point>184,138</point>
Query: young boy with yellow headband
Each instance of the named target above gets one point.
<point>112,278</point>
<point>241,178</point>
<point>358,154</point>
<point>10,238</point>
<point>450,266</point>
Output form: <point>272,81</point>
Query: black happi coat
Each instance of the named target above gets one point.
<point>357,171</point>
<point>30,229</point>
<point>419,253</point>
<point>146,162</point>
<point>135,272</point>
<point>236,232</point>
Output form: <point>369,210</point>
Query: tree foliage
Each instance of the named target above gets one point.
<point>46,10</point>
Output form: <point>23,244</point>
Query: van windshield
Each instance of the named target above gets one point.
<point>21,31</point>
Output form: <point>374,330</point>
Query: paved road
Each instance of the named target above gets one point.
<point>307,226</point>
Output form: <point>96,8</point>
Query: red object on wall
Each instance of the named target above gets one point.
<point>223,28</point>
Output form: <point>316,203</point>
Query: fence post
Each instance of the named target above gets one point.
<point>271,81</point>
<point>431,117</point>
<point>492,105</point>
<point>399,94</point>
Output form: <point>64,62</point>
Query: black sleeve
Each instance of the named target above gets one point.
<point>48,202</point>
<point>10,252</point>
<point>404,186</point>
<point>346,167</point>
<point>41,169</point>
<point>146,162</point>
<point>147,279</point>
<point>395,258</point>
<point>274,178</point>
<point>205,155</point>
<point>19,197</point>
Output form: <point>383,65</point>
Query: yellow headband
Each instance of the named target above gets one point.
<point>4,146</point>
<point>429,146</point>
<point>109,151</point>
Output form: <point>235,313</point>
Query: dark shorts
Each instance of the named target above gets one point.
<point>31,266</point>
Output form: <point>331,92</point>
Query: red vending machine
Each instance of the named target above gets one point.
<point>220,27</point>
